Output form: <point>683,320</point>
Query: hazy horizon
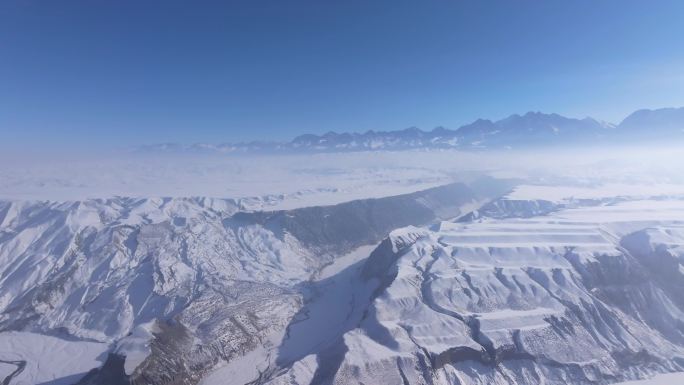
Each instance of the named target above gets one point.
<point>116,75</point>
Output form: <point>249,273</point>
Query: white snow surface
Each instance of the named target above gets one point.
<point>49,360</point>
<point>288,181</point>
<point>564,193</point>
<point>659,379</point>
<point>275,182</point>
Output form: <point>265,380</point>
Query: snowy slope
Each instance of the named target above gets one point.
<point>540,284</point>
<point>590,294</point>
<point>179,285</point>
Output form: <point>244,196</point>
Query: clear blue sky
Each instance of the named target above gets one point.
<point>118,73</point>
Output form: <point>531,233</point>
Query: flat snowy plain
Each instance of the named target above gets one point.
<point>48,360</point>
<point>661,379</point>
<point>289,181</point>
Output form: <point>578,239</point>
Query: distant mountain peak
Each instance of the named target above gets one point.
<point>532,129</point>
<point>671,119</point>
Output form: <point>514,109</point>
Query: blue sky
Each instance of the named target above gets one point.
<point>120,73</point>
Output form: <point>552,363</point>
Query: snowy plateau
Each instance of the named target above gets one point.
<point>425,267</point>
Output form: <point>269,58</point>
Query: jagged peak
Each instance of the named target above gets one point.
<point>513,131</point>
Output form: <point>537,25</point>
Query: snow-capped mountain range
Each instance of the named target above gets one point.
<point>375,267</point>
<point>533,129</point>
<point>478,283</point>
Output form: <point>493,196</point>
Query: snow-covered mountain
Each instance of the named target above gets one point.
<point>554,285</point>
<point>663,123</point>
<point>585,291</point>
<point>206,281</point>
<point>531,130</point>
